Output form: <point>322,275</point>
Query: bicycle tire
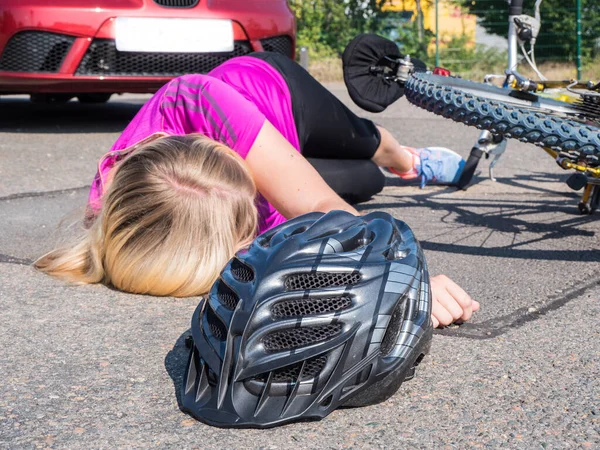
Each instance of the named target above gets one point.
<point>513,114</point>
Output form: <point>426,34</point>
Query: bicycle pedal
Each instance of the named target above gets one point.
<point>577,181</point>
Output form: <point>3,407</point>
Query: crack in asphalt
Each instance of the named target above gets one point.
<point>7,259</point>
<point>21,195</point>
<point>501,325</point>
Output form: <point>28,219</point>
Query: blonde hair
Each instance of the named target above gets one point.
<point>176,211</point>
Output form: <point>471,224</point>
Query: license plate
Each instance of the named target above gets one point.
<point>135,34</point>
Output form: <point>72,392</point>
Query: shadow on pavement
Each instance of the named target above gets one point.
<point>518,180</point>
<point>497,326</point>
<point>21,116</point>
<point>175,363</point>
<point>521,222</point>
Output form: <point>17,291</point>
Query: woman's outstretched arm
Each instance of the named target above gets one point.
<point>294,187</point>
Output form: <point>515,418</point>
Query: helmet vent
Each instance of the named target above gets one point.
<point>215,325</point>
<point>299,337</point>
<point>213,379</point>
<point>310,306</point>
<point>241,271</point>
<point>313,367</point>
<point>393,328</point>
<point>226,296</point>
<point>315,280</point>
<point>299,230</point>
<point>395,237</point>
<point>289,374</point>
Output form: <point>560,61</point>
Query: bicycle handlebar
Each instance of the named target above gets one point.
<point>516,7</point>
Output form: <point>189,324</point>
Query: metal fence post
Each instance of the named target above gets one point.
<point>437,34</point>
<point>304,57</point>
<point>579,39</point>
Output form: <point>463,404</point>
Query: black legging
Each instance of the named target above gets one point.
<point>337,142</point>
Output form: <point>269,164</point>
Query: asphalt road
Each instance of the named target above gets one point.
<point>91,367</point>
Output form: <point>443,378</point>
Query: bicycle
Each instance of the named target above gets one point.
<point>562,117</point>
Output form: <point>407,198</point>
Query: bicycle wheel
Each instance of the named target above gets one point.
<point>514,114</point>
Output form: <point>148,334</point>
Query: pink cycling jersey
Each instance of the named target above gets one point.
<point>229,105</point>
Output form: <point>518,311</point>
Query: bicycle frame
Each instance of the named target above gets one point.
<point>515,9</point>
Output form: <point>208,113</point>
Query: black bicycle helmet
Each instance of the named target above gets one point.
<point>320,312</point>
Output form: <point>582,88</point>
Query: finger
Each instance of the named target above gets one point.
<point>458,293</point>
<point>462,298</point>
<point>435,321</point>
<point>463,319</point>
<point>475,307</point>
<point>467,311</point>
<point>441,279</point>
<point>441,314</point>
<point>450,304</point>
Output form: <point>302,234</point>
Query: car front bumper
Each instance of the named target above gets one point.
<point>76,53</point>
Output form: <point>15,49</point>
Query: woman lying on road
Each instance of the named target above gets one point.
<point>210,160</point>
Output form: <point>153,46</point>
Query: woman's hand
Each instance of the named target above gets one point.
<point>450,302</point>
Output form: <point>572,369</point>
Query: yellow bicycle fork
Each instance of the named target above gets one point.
<point>590,199</point>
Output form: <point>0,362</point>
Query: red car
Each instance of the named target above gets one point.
<point>93,48</point>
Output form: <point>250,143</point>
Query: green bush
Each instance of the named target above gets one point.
<point>456,54</point>
<point>472,61</point>
<point>406,36</point>
<point>326,26</point>
<point>558,36</point>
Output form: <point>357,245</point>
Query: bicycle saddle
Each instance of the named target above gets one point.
<point>370,64</point>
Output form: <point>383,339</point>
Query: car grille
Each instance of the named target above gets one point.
<point>35,51</point>
<point>278,44</point>
<point>177,3</point>
<point>103,58</point>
